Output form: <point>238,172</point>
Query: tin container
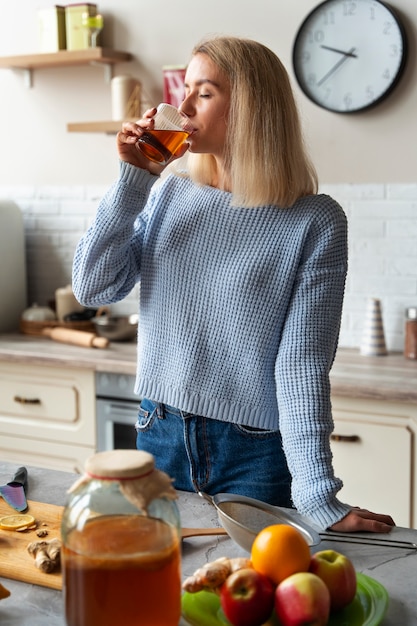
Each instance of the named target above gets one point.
<point>77,35</point>
<point>52,34</point>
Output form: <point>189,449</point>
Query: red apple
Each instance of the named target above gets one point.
<point>302,599</point>
<point>337,571</point>
<point>247,598</point>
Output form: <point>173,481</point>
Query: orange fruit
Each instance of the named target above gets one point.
<point>279,551</point>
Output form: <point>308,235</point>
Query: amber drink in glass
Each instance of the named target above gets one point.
<point>171,129</point>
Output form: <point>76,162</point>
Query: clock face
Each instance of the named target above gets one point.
<point>349,54</point>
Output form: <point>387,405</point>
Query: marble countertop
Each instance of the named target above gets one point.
<point>119,357</point>
<point>31,605</point>
<point>388,378</point>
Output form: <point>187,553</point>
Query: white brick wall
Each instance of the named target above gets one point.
<point>55,218</point>
<point>382,256</point>
<point>382,248</point>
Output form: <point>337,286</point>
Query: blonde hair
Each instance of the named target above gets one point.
<point>265,157</point>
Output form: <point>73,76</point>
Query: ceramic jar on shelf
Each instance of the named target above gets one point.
<point>410,341</point>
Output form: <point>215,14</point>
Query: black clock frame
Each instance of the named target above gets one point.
<point>389,89</point>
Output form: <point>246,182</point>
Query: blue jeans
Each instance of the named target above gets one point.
<point>203,454</point>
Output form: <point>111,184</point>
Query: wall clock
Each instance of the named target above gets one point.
<point>349,55</point>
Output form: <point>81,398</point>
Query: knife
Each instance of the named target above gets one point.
<point>14,491</point>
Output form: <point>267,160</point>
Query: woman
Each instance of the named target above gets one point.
<point>242,269</point>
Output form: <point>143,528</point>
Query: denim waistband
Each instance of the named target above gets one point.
<point>163,409</point>
<point>172,409</point>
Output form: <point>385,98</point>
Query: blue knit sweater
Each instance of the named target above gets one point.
<point>239,310</point>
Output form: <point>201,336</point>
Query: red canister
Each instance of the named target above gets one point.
<point>174,76</point>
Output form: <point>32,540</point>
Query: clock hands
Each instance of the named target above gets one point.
<point>346,55</point>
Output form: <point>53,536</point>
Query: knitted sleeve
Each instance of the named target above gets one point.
<point>305,357</point>
<point>107,259</point>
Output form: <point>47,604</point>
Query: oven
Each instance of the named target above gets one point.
<point>116,411</point>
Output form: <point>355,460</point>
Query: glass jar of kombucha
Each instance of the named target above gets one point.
<point>121,544</point>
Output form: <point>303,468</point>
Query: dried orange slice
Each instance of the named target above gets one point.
<point>15,522</point>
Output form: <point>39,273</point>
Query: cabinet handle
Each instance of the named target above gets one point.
<point>345,438</point>
<point>21,400</point>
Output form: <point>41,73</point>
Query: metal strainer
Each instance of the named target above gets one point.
<point>243,518</point>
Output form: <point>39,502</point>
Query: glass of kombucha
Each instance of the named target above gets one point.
<point>171,129</point>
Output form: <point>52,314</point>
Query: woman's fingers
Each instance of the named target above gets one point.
<point>128,147</point>
<point>132,130</point>
<point>365,521</point>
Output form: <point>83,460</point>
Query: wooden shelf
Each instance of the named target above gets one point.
<point>106,57</point>
<point>110,127</point>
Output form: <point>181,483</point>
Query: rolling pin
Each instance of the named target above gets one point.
<point>76,337</point>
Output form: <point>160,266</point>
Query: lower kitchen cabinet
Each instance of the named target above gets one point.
<point>373,453</point>
<point>47,415</point>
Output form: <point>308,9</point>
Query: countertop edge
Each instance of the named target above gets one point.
<point>390,378</point>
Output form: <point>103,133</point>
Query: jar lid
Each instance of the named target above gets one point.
<point>120,464</point>
<point>38,314</point>
<point>411,313</point>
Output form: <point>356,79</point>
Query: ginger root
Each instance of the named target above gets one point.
<point>212,575</point>
<point>47,554</point>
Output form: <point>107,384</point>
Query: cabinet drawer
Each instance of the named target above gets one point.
<point>42,398</point>
<point>48,403</point>
<point>57,456</point>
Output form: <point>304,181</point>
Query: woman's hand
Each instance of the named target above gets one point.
<point>361,520</point>
<point>128,148</point>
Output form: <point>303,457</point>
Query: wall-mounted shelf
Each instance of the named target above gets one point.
<point>106,57</point>
<point>110,127</point>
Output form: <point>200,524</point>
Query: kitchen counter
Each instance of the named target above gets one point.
<point>119,357</point>
<point>30,605</point>
<point>391,378</point>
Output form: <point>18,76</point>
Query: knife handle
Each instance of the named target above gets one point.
<point>21,476</point>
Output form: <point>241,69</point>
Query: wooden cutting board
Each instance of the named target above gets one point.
<point>15,561</point>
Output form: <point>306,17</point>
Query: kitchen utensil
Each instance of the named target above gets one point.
<point>371,540</point>
<point>80,316</point>
<point>201,532</point>
<point>122,328</point>
<point>76,337</point>
<point>367,608</point>
<point>243,518</point>
<point>14,492</point>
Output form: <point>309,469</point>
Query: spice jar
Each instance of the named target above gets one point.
<point>121,544</point>
<point>410,343</point>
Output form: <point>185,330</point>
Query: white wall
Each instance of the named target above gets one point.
<point>366,161</point>
<point>375,146</point>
